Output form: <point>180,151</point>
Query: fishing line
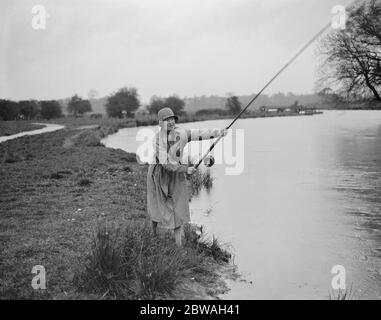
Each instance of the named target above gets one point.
<point>317,35</point>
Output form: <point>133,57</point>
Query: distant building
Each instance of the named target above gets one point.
<point>299,109</point>
<point>275,109</point>
<point>268,109</point>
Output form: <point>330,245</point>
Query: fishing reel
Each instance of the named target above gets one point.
<point>209,161</point>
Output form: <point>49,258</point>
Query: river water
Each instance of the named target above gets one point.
<point>308,199</point>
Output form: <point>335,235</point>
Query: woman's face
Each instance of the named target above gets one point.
<point>169,123</point>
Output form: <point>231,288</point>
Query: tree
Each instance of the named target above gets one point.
<point>78,106</point>
<point>233,105</point>
<point>28,109</point>
<point>173,102</point>
<point>295,104</point>
<point>155,105</point>
<point>329,97</point>
<point>50,109</point>
<point>352,57</point>
<point>125,99</point>
<point>176,104</point>
<point>8,110</point>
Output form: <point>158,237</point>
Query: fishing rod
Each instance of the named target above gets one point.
<point>317,35</point>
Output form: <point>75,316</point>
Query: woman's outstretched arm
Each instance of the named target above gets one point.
<point>204,134</point>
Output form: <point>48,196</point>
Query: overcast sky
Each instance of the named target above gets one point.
<point>161,47</point>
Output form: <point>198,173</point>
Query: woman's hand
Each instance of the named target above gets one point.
<point>224,132</point>
<point>191,170</point>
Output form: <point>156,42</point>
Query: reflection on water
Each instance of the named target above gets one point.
<point>309,199</point>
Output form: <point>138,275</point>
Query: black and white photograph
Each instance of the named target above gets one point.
<point>218,151</point>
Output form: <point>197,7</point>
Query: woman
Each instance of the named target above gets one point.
<point>167,191</point>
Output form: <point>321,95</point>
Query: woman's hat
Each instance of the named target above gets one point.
<point>166,113</point>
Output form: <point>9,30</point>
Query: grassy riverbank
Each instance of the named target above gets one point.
<point>353,105</point>
<point>8,128</point>
<point>79,209</point>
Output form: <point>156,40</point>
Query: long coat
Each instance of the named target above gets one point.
<point>167,189</point>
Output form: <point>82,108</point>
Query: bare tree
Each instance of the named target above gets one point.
<point>352,57</point>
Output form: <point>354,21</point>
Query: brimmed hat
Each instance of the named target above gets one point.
<point>166,113</point>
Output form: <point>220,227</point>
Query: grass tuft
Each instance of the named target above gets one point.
<point>198,240</point>
<point>345,294</point>
<point>103,266</point>
<point>132,263</point>
<point>198,180</point>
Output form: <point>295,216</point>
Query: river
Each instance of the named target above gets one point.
<point>308,199</point>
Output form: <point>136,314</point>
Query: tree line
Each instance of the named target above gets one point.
<point>29,109</point>
<point>121,104</point>
<point>41,109</point>
<point>126,101</point>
